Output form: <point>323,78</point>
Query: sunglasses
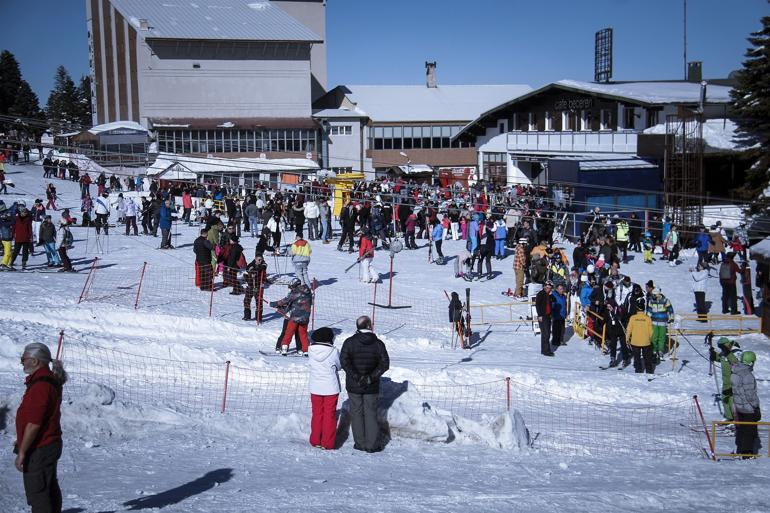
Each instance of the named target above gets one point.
<point>25,358</point>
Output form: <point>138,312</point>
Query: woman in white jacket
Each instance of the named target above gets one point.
<point>324,388</point>
<point>699,276</point>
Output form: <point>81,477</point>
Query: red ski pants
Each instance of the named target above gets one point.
<point>290,329</point>
<point>323,424</point>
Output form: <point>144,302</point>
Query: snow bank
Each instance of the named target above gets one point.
<point>718,134</point>
<point>761,248</point>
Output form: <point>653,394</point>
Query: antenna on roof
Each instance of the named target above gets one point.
<point>603,55</point>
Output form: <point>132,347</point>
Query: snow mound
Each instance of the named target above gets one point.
<point>405,414</point>
<point>506,431</point>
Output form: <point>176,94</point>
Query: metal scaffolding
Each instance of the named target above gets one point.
<point>683,179</point>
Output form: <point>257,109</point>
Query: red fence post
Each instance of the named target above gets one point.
<point>88,278</point>
<point>705,429</point>
<point>374,303</point>
<point>312,307</point>
<point>211,297</point>
<point>227,376</point>
<point>139,289</point>
<point>61,341</point>
<point>508,393</point>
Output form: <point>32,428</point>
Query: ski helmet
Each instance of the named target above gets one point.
<point>640,304</point>
<point>295,283</point>
<point>723,341</point>
<point>748,357</point>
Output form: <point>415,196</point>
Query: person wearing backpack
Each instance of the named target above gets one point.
<point>66,240</point>
<point>728,272</point>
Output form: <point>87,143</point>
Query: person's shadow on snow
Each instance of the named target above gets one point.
<point>182,492</point>
<point>389,391</point>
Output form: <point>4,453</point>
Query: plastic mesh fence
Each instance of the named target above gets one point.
<point>561,425</point>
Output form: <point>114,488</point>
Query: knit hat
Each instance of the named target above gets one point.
<point>323,335</point>
<point>609,285</point>
<point>650,284</point>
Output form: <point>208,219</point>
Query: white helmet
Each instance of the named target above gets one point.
<point>590,268</point>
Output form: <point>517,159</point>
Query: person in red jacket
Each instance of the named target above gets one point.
<point>22,236</point>
<point>38,443</point>
<point>366,256</point>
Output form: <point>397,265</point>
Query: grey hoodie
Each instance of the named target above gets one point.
<point>745,397</point>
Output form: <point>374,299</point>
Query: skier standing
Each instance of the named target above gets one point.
<point>746,404</point>
<point>296,305</point>
<point>727,357</point>
<point>366,257</point>
<point>662,314</point>
<point>255,278</point>
<point>728,273</point>
<point>639,337</point>
<point>300,257</point>
<point>544,306</point>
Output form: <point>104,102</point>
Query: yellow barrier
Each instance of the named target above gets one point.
<point>479,318</point>
<point>591,331</point>
<point>716,423</point>
<point>720,325</point>
<point>578,322</point>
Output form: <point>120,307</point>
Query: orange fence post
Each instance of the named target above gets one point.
<point>139,289</point>
<point>227,376</point>
<point>705,429</point>
<point>508,392</point>
<point>88,279</point>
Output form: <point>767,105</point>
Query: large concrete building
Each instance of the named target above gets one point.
<point>230,77</point>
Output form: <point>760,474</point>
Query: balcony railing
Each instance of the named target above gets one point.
<point>574,142</point>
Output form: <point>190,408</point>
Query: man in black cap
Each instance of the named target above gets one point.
<point>365,360</point>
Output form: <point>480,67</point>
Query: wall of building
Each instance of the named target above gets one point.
<point>222,79</point>
<point>312,14</point>
<point>345,150</point>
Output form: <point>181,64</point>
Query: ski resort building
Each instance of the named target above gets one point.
<point>230,77</point>
<point>406,129</point>
<point>603,141</point>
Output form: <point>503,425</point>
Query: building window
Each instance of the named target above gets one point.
<point>628,118</point>
<point>341,130</point>
<point>605,120</point>
<point>653,116</point>
<point>495,168</point>
<point>397,138</point>
<point>548,121</point>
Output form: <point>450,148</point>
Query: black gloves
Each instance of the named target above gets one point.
<point>365,380</point>
<point>758,413</point>
<point>712,354</point>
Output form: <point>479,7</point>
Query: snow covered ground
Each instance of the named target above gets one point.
<point>145,442</point>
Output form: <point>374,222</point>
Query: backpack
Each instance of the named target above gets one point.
<point>69,239</point>
<point>725,273</point>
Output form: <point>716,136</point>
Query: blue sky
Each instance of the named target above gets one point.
<point>474,41</point>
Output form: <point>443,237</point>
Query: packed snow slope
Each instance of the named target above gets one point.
<point>124,455</point>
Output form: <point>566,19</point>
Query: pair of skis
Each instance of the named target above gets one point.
<point>462,328</point>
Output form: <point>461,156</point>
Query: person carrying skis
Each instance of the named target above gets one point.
<point>296,306</point>
<point>662,314</point>
<point>456,317</point>
<point>728,273</point>
<point>746,405</point>
<point>727,357</point>
<point>255,278</point>
<point>365,258</point>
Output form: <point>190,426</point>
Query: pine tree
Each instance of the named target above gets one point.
<point>63,106</point>
<point>26,104</point>
<point>10,80</point>
<point>751,104</point>
<point>84,101</point>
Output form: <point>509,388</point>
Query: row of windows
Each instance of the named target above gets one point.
<point>580,120</point>
<point>237,141</point>
<point>341,130</point>
<point>409,137</point>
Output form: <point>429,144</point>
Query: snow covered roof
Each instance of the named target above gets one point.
<point>211,165</point>
<point>117,125</point>
<point>340,113</point>
<point>718,134</point>
<point>243,20</point>
<point>416,169</point>
<point>389,103</point>
<point>761,249</point>
<point>604,164</point>
<point>653,92</point>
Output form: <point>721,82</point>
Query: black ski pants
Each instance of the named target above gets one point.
<point>363,421</point>
<point>700,305</point>
<point>614,336</point>
<point>545,334</point>
<point>101,221</point>
<point>25,248</point>
<point>745,435</point>
<point>729,298</point>
<point>255,294</point>
<point>438,248</point>
<point>643,359</point>
<point>347,235</point>
<point>557,331</point>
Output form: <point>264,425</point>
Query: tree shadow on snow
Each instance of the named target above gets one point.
<point>3,417</point>
<point>73,510</point>
<point>182,492</point>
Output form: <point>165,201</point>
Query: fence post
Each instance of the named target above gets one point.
<point>374,302</point>
<point>314,285</point>
<point>211,296</point>
<point>88,278</point>
<point>259,307</point>
<point>227,377</point>
<point>61,341</point>
<point>508,393</point>
<point>139,289</point>
<point>705,429</point>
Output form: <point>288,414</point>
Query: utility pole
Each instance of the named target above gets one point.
<point>685,39</point>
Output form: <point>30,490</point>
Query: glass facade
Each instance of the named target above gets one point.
<point>495,168</point>
<point>237,141</point>
<point>414,137</point>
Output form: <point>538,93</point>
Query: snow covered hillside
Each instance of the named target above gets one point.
<point>144,428</point>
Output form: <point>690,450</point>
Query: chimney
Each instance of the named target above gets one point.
<point>694,71</point>
<point>430,74</point>
<point>144,25</point>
